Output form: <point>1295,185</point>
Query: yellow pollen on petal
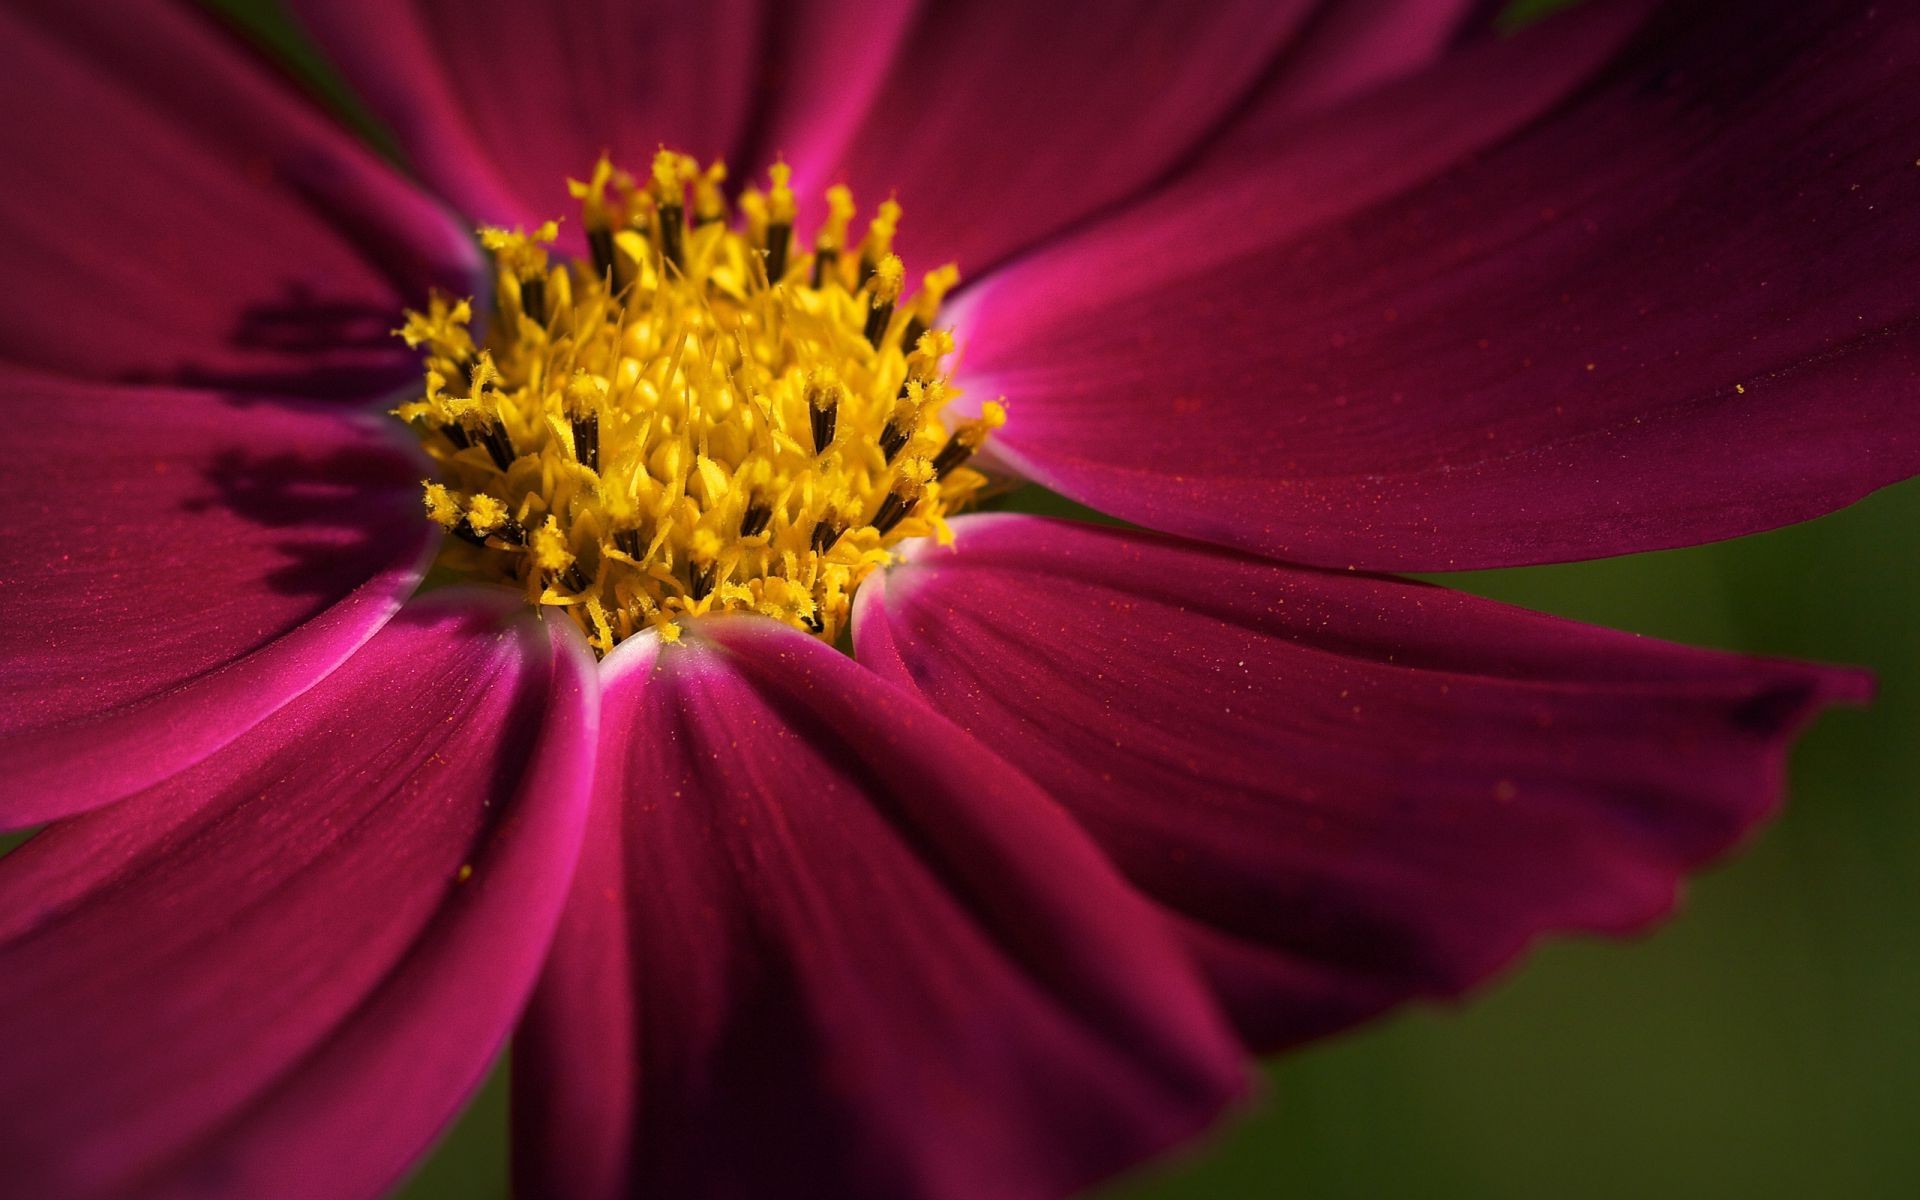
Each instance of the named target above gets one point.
<point>699,417</point>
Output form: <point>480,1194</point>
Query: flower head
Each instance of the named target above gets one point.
<point>698,422</point>
<point>998,904</point>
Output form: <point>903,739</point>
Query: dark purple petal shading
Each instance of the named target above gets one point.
<point>1353,46</point>
<point>822,942</point>
<point>1002,122</point>
<point>280,972</point>
<point>1349,790</point>
<point>173,213</point>
<point>177,565</point>
<point>497,103</point>
<point>1678,307</point>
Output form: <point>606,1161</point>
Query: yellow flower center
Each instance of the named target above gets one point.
<point>697,420</point>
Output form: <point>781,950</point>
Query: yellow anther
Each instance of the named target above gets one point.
<point>442,328</point>
<point>753,206</point>
<point>709,201</point>
<point>993,414</point>
<point>833,233</point>
<point>592,193</point>
<point>780,206</point>
<point>521,254</point>
<point>888,278</point>
<point>915,475</point>
<point>879,240</point>
<point>585,395</point>
<point>670,176</point>
<point>706,545</point>
<point>441,505</point>
<point>549,546</point>
<point>935,344</point>
<point>669,436</point>
<point>933,292</point>
<point>486,514</point>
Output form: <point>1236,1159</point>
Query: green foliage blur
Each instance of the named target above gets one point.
<point>1763,1045</point>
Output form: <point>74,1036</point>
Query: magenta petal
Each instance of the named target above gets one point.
<point>1350,789</point>
<point>497,103</point>
<point>820,942</point>
<point>1351,48</point>
<point>1003,121</point>
<point>279,973</point>
<point>179,564</point>
<point>1677,308</point>
<point>808,115</point>
<point>173,213</point>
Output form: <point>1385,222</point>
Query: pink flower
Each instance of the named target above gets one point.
<point>997,906</point>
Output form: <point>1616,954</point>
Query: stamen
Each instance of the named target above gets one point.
<point>523,260</point>
<point>879,241</point>
<point>753,522</point>
<point>833,235</point>
<point>600,246</point>
<point>885,289</point>
<point>670,186</point>
<point>709,202</point>
<point>926,305</point>
<point>592,196</point>
<point>823,405</point>
<point>967,438</point>
<point>899,503</point>
<point>826,535</point>
<point>700,580</point>
<point>678,429</point>
<point>780,210</point>
<point>893,439</point>
<point>586,441</point>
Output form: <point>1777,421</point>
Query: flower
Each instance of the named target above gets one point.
<point>995,906</point>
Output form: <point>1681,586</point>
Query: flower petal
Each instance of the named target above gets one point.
<point>179,564</point>
<point>1676,309</point>
<point>279,973</point>
<point>817,934</point>
<point>1354,46</point>
<point>173,213</point>
<point>497,103</point>
<point>1000,123</point>
<point>1349,789</point>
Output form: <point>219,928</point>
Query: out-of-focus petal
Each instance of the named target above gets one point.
<point>497,103</point>
<point>1677,308</point>
<point>1000,123</point>
<point>178,565</point>
<point>279,973</point>
<point>819,940</point>
<point>172,213</point>
<point>1349,790</point>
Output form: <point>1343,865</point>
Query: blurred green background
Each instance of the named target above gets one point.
<point>1765,1044</point>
